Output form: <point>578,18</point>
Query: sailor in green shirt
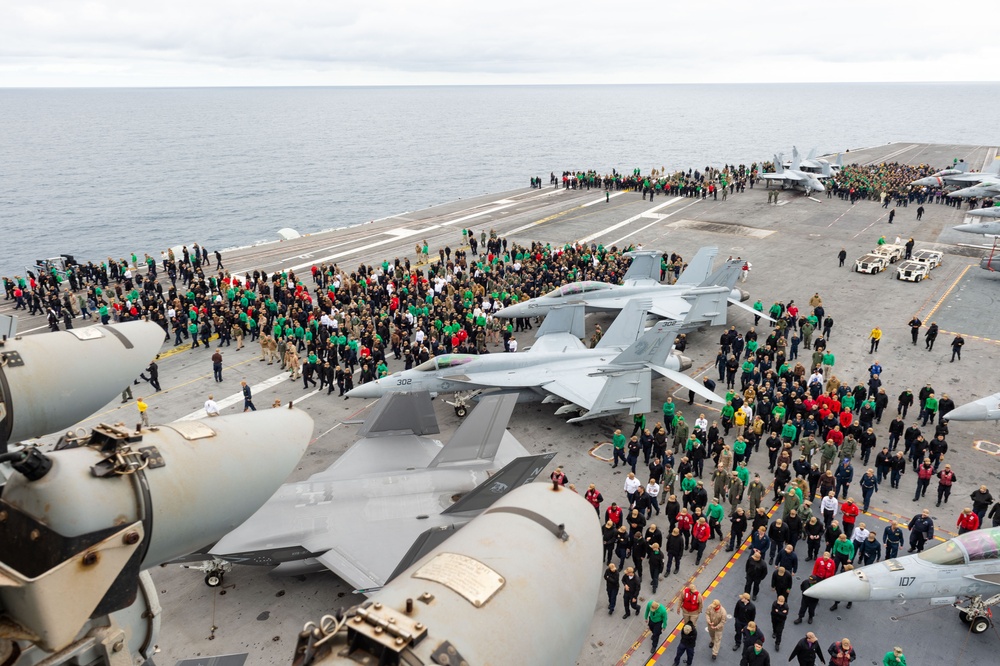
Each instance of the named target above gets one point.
<point>618,444</point>
<point>930,409</point>
<point>778,412</point>
<point>715,513</point>
<point>828,361</point>
<point>668,414</point>
<point>843,550</point>
<point>743,472</point>
<point>688,483</point>
<point>788,432</point>
<point>847,402</point>
<point>727,415</point>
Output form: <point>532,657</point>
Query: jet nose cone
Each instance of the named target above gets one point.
<point>969,228</point>
<point>974,411</point>
<point>685,362</point>
<point>368,390</point>
<point>508,312</point>
<point>842,587</point>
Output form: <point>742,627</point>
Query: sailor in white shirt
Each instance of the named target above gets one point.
<point>211,407</point>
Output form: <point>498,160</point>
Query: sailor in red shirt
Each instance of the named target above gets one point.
<point>691,604</point>
<point>684,523</point>
<point>850,511</point>
<point>824,567</point>
<point>967,521</point>
<point>700,534</point>
<point>614,514</point>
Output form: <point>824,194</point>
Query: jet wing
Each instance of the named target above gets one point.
<point>556,342</point>
<point>582,390</point>
<point>787,175</point>
<point>366,557</point>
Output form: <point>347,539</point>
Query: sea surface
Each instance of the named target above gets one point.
<point>105,172</point>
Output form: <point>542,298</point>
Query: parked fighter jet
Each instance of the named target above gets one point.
<point>984,409</point>
<point>984,189</point>
<point>795,177</point>
<point>392,497</point>
<point>603,381</point>
<point>966,567</point>
<point>942,177</point>
<point>679,301</point>
<point>989,228</point>
<point>991,174</point>
<point>989,212</point>
<point>813,164</point>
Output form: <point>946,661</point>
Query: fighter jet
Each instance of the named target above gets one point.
<point>990,212</point>
<point>984,409</point>
<point>813,164</point>
<point>991,174</point>
<point>966,567</point>
<point>942,177</point>
<point>392,497</point>
<point>986,188</point>
<point>990,228</point>
<point>697,284</point>
<point>795,177</point>
<point>605,381</point>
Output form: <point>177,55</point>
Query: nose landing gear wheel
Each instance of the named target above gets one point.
<point>213,579</point>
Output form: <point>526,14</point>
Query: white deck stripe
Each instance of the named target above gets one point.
<point>630,220</point>
<point>597,201</point>
<point>230,400</point>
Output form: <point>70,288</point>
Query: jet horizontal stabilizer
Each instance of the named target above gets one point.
<point>424,544</point>
<point>401,414</point>
<point>516,473</point>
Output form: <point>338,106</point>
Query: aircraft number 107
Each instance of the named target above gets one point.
<point>906,581</point>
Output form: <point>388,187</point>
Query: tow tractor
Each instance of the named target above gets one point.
<point>891,252</point>
<point>932,258</point>
<point>912,271</point>
<point>871,264</point>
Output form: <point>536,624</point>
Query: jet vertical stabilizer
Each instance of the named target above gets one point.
<point>627,326</point>
<point>564,319</point>
<point>645,268</point>
<point>653,347</point>
<point>726,276</point>
<point>699,269</point>
<point>478,438</point>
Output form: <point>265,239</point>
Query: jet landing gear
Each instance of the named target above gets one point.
<point>976,612</point>
<point>461,403</point>
<point>215,571</point>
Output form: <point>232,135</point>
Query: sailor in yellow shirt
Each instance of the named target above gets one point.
<point>875,336</point>
<point>141,404</point>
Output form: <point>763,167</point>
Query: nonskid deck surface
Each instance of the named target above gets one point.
<point>793,248</point>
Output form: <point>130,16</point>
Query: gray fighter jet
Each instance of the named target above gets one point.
<point>991,261</point>
<point>813,164</point>
<point>604,381</point>
<point>989,188</point>
<point>984,409</point>
<point>942,177</point>
<point>388,500</point>
<point>698,297</point>
<point>962,571</point>
<point>990,212</point>
<point>795,178</point>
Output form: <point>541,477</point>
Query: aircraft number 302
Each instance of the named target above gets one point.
<point>906,581</point>
<point>403,382</point>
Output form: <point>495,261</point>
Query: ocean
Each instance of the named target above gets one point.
<point>101,173</point>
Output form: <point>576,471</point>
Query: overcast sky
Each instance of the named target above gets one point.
<point>392,42</point>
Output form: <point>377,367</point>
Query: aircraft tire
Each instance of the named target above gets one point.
<point>979,625</point>
<point>461,411</point>
<point>964,617</point>
<point>213,579</point>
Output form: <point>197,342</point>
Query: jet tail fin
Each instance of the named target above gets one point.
<point>653,347</point>
<point>811,155</point>
<point>699,268</point>
<point>564,319</point>
<point>479,436</point>
<point>628,325</point>
<point>401,414</point>
<point>840,160</point>
<point>778,167</point>
<point>994,166</point>
<point>645,267</point>
<point>727,275</point>
<point>516,473</point>
<point>796,159</point>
